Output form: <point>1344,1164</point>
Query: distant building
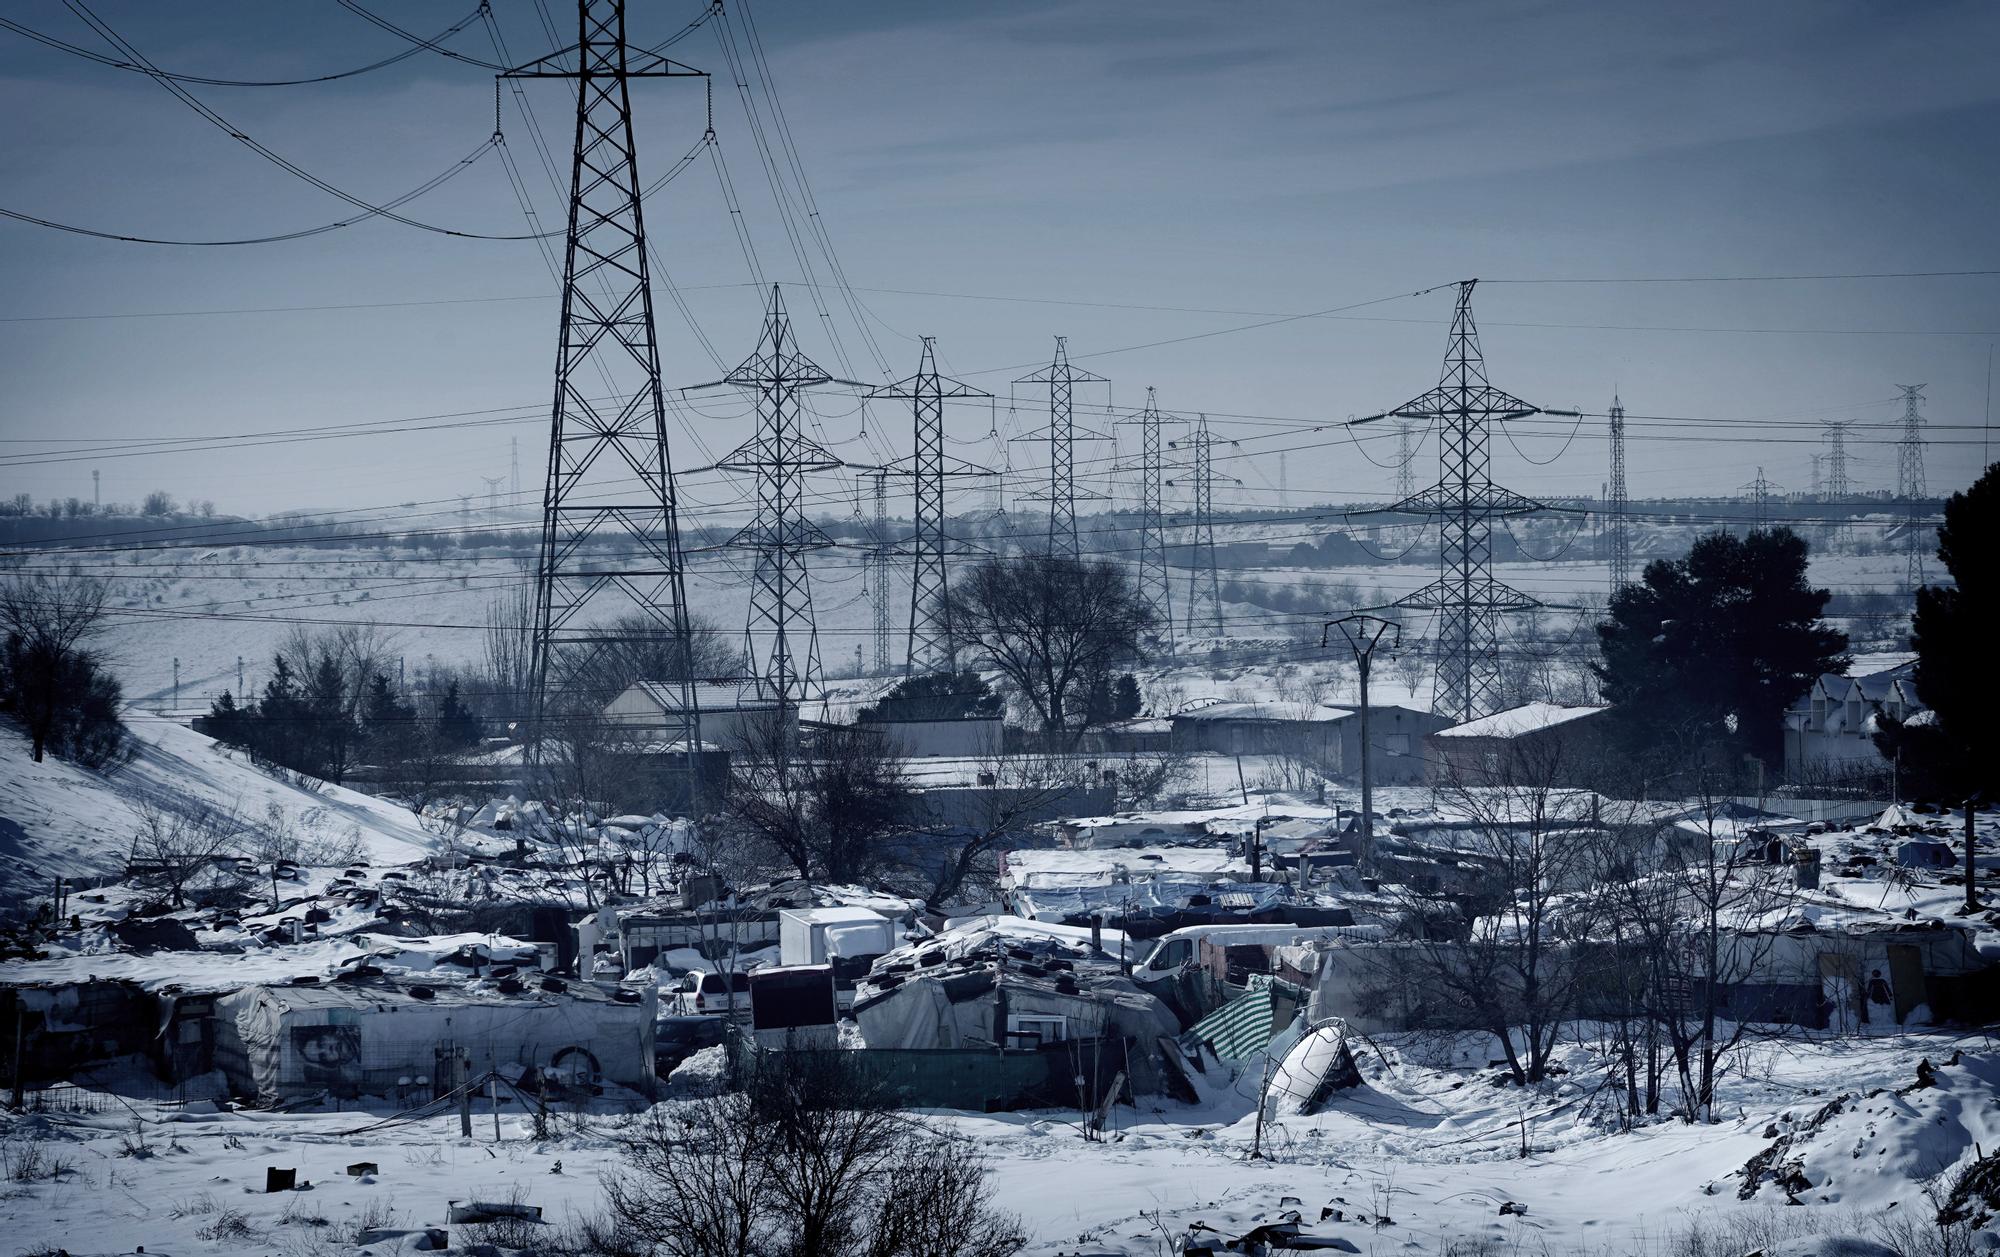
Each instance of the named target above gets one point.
<point>1528,740</point>
<point>1830,731</point>
<point>731,711</point>
<point>1329,737</point>
<point>957,737</point>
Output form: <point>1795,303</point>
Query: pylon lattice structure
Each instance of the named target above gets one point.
<point>1469,601</point>
<point>1062,379</point>
<point>1836,488</point>
<point>1202,570</point>
<point>1154,585</point>
<point>1618,538</point>
<point>1759,493</point>
<point>786,662</point>
<point>1406,462</point>
<point>610,524</point>
<point>878,580</point>
<point>931,647</point>
<point>1910,483</point>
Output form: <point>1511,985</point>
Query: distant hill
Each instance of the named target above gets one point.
<point>60,820</point>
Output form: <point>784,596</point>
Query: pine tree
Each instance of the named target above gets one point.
<point>457,726</point>
<point>1125,702</point>
<point>228,723</point>
<point>1956,677</point>
<point>1713,648</point>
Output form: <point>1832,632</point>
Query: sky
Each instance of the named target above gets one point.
<point>1160,182</point>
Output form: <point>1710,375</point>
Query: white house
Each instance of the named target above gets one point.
<point>1832,728</point>
<point>730,711</point>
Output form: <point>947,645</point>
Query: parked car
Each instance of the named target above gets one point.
<point>677,1038</point>
<point>699,994</point>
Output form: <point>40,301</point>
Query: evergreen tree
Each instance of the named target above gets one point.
<point>277,730</point>
<point>1955,676</point>
<point>228,723</point>
<point>1125,702</point>
<point>388,723</point>
<point>936,696</point>
<point>457,726</point>
<point>330,732</point>
<point>1714,647</point>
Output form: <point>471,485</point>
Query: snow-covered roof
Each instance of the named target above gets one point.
<point>1515,721</point>
<point>1289,713</point>
<point>708,695</point>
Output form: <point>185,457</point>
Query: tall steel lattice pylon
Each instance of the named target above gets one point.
<point>610,524</point>
<point>1406,462</point>
<point>1618,538</point>
<point>1062,379</point>
<point>1759,491</point>
<point>1154,585</point>
<point>930,645</point>
<point>878,580</point>
<point>1837,488</point>
<point>1910,483</point>
<point>1468,600</point>
<point>780,537</point>
<point>1202,569</point>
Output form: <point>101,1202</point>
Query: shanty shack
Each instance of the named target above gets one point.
<point>378,1035</point>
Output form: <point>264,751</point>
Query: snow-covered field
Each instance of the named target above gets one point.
<point>1419,1158</point>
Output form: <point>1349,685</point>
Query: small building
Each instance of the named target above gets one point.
<point>1549,743</point>
<point>846,938</point>
<point>732,712</point>
<point>958,737</point>
<point>377,1035</point>
<point>1240,728</point>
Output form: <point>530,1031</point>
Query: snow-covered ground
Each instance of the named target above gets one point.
<point>1417,1158</point>
<point>57,819</point>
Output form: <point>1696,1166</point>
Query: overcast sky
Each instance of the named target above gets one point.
<point>1032,169</point>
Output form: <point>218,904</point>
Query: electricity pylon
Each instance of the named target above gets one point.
<point>1838,487</point>
<point>1154,587</point>
<point>1406,463</point>
<point>930,647</point>
<point>1202,569</point>
<point>1062,379</point>
<point>1469,601</point>
<point>878,577</point>
<point>1619,537</point>
<point>1759,492</point>
<point>1910,483</point>
<point>610,523</point>
<point>780,536</point>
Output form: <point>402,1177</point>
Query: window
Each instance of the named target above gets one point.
<point>1029,1031</point>
<point>1492,760</point>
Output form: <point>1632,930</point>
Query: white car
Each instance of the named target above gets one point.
<point>708,993</point>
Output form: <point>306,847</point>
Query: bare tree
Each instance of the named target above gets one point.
<point>808,1158</point>
<point>509,649</point>
<point>52,680</point>
<point>1492,947</point>
<point>824,810</point>
<point>1051,625</point>
<point>960,847</point>
<point>174,844</point>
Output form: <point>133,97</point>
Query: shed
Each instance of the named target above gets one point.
<point>1533,737</point>
<point>731,711</point>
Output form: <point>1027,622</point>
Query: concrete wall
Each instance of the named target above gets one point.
<point>971,738</point>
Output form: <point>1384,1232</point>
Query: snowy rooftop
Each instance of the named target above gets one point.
<point>1515,721</point>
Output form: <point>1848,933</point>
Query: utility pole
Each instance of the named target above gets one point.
<point>1466,502</point>
<point>514,471</point>
<point>780,456</point>
<point>1621,540</point>
<point>1062,379</point>
<point>177,682</point>
<point>1363,634</point>
<point>239,677</point>
<point>1910,483</point>
<point>1153,581</point>
<point>610,475</point>
<point>96,491</point>
<point>930,647</point>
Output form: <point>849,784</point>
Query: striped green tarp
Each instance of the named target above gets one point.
<point>1241,1028</point>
